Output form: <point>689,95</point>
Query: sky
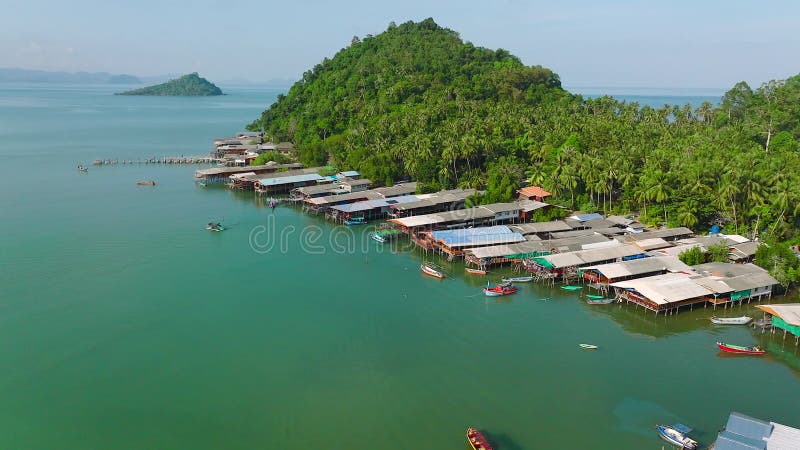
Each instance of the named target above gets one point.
<point>613,43</point>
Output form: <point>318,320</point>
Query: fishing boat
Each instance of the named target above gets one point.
<point>588,346</point>
<point>146,183</point>
<point>571,287</point>
<point>740,350</point>
<point>355,221</point>
<point>477,440</point>
<point>383,236</point>
<point>743,320</point>
<point>599,300</point>
<point>500,290</point>
<point>676,435</point>
<point>215,226</point>
<point>517,279</point>
<point>472,271</point>
<point>431,270</point>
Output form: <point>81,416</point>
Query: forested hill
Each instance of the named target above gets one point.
<point>191,85</point>
<point>389,103</point>
<point>417,102</point>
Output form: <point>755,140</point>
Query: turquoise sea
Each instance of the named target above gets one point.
<point>124,324</point>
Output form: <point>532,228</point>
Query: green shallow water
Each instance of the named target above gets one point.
<point>125,324</point>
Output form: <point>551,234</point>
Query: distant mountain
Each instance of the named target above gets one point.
<point>191,85</point>
<point>13,75</point>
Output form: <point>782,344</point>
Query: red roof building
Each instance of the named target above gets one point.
<point>533,193</point>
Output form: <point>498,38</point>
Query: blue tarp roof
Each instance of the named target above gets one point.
<point>498,234</point>
<point>290,180</point>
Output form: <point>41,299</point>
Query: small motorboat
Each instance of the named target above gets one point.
<point>355,221</point>
<point>517,279</point>
<point>588,346</point>
<point>676,435</point>
<point>743,320</point>
<point>82,168</point>
<point>146,183</point>
<point>571,287</point>
<point>273,203</point>
<point>500,290</point>
<point>740,350</point>
<point>432,270</point>
<point>477,440</point>
<point>215,226</point>
<point>599,300</point>
<point>385,235</point>
<point>472,271</point>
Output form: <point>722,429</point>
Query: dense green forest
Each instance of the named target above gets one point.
<point>417,102</point>
<point>191,85</point>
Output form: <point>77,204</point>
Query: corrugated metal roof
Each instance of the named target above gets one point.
<point>321,201</point>
<point>461,215</point>
<point>541,227</point>
<point>747,426</point>
<point>498,208</point>
<point>477,236</point>
<point>665,289</point>
<point>751,281</point>
<point>277,181</point>
<point>532,205</point>
<point>367,205</point>
<point>783,438</point>
<point>499,251</point>
<point>397,190</point>
<point>789,312</point>
<point>587,217</point>
<point>641,266</point>
<point>730,441</point>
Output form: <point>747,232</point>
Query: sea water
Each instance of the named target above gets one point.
<point>125,324</point>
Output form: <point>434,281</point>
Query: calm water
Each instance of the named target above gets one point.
<point>124,324</point>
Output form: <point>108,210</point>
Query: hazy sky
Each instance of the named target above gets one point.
<point>698,43</point>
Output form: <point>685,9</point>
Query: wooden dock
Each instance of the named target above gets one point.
<point>159,160</point>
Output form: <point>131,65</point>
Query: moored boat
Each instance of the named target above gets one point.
<point>383,236</point>
<point>743,320</point>
<point>571,288</point>
<point>741,350</point>
<point>676,435</point>
<point>477,440</point>
<point>83,169</point>
<point>500,290</point>
<point>431,270</point>
<point>588,346</point>
<point>146,183</point>
<point>475,271</point>
<point>599,300</point>
<point>355,221</point>
<point>517,279</point>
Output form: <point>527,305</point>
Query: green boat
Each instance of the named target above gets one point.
<point>570,287</point>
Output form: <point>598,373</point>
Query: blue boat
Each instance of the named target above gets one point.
<point>355,221</point>
<point>676,435</point>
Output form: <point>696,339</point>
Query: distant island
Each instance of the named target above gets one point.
<point>14,75</point>
<point>191,85</point>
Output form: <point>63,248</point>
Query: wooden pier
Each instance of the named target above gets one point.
<point>159,160</point>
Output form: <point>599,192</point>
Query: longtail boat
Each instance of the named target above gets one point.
<point>588,346</point>
<point>355,221</point>
<point>676,435</point>
<point>475,271</point>
<point>743,320</point>
<point>740,350</point>
<point>571,287</point>
<point>500,290</point>
<point>599,300</point>
<point>517,279</point>
<point>477,440</point>
<point>431,270</point>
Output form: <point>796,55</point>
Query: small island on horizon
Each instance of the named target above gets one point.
<point>191,85</point>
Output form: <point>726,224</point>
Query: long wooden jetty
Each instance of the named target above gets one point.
<point>206,159</point>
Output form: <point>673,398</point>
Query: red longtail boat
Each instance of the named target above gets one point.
<point>476,440</point>
<point>738,349</point>
<point>499,290</point>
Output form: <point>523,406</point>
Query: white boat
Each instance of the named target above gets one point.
<point>588,346</point>
<point>432,270</point>
<point>743,320</point>
<point>517,279</point>
<point>675,437</point>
